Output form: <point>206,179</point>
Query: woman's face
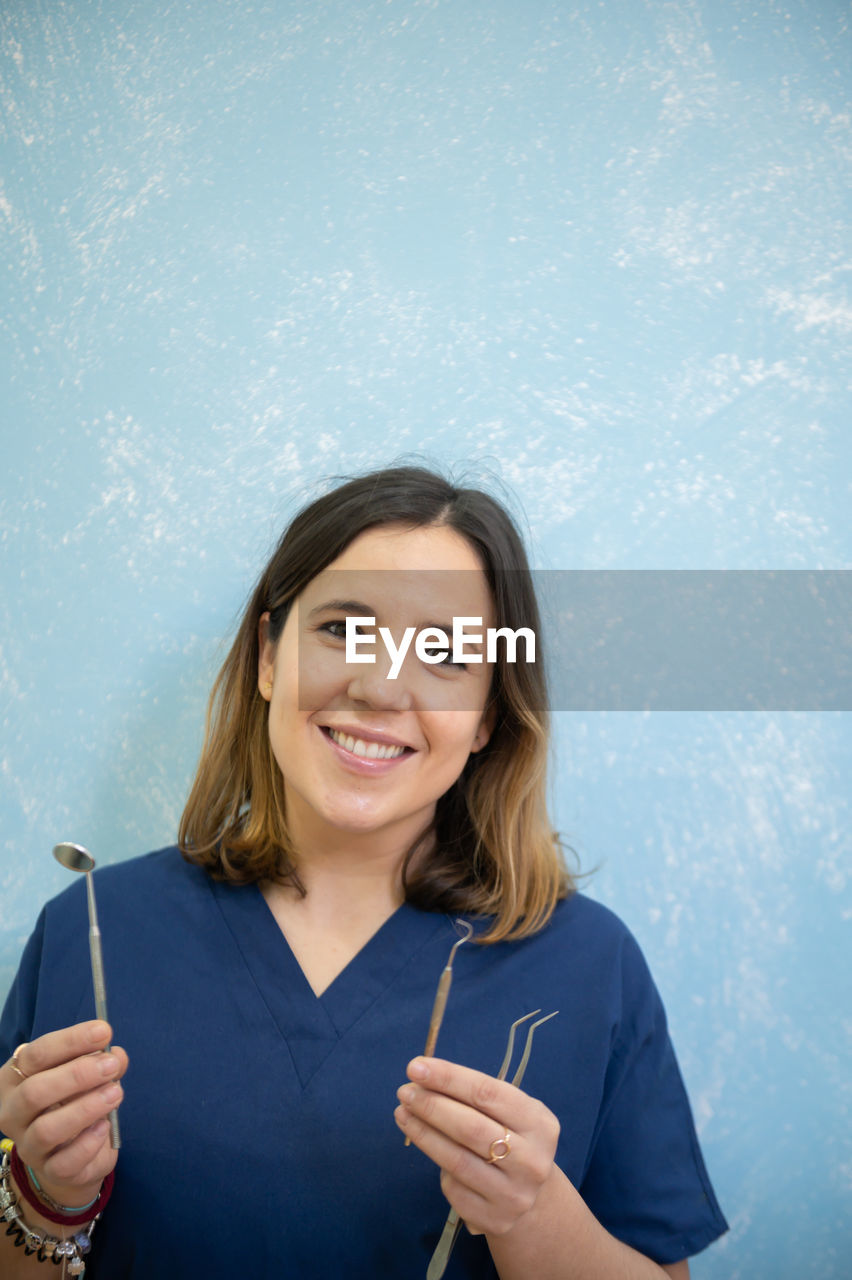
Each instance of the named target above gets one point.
<point>362,753</point>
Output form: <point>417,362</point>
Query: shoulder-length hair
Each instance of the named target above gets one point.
<point>493,851</point>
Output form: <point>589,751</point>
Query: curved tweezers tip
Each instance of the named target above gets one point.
<point>510,1044</point>
<point>522,1065</point>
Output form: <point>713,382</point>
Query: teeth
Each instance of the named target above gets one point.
<point>367,750</point>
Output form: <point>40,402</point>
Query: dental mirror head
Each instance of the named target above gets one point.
<point>73,857</point>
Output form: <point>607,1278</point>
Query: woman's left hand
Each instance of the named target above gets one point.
<point>493,1143</point>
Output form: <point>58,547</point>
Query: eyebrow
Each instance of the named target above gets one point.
<point>344,606</point>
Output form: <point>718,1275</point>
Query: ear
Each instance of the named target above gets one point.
<point>265,658</point>
<point>486,728</point>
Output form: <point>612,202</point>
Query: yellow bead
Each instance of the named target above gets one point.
<point>6,1144</point>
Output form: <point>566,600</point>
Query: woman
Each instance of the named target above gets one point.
<point>272,976</point>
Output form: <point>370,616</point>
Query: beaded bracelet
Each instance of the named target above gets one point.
<point>48,1208</point>
<point>44,1246</point>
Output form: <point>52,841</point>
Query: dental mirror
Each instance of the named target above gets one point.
<point>75,858</point>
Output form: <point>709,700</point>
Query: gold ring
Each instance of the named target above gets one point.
<point>13,1062</point>
<point>494,1154</point>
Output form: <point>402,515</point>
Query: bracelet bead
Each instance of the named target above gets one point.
<point>47,1248</point>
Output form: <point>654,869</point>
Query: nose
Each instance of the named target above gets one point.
<point>373,686</point>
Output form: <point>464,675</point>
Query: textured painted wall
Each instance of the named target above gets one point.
<point>599,249</point>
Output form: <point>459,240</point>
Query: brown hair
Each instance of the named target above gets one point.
<point>495,853</point>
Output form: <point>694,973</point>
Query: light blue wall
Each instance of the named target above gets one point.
<point>603,247</point>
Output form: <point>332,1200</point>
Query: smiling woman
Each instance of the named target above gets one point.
<point>404,546</point>
<point>425,723</point>
<point>343,813</point>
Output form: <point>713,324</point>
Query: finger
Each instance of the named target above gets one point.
<point>56,1128</point>
<point>123,1060</point>
<point>479,1194</point>
<point>56,1047</point>
<point>495,1098</point>
<point>478,1214</point>
<point>58,1085</point>
<point>453,1158</point>
<point>87,1159</point>
<point>455,1120</point>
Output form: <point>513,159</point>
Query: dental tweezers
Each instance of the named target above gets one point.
<point>444,1247</point>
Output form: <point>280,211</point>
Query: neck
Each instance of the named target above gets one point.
<point>350,880</point>
<point>366,864</point>
<point>347,902</point>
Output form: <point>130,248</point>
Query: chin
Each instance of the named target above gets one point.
<point>355,823</point>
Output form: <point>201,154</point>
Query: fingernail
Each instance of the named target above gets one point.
<point>401,1116</point>
<point>98,1032</point>
<point>108,1065</point>
<point>407,1093</point>
<point>111,1093</point>
<point>418,1069</point>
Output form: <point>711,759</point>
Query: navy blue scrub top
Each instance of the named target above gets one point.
<point>257,1128</point>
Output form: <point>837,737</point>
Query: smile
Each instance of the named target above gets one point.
<point>366,750</point>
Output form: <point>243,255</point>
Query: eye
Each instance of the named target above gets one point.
<point>437,651</point>
<point>446,664</point>
<point>447,661</point>
<point>336,629</point>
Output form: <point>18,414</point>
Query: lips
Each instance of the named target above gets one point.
<point>366,749</point>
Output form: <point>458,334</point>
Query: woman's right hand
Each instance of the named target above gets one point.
<point>57,1116</point>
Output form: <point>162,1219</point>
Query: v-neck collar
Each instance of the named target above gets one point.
<point>312,1025</point>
